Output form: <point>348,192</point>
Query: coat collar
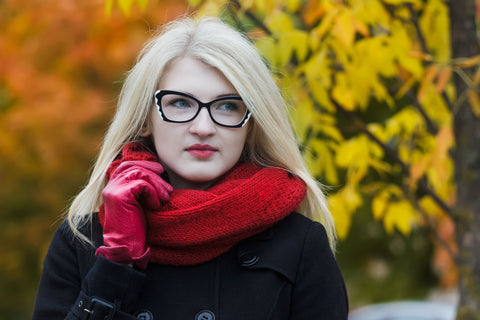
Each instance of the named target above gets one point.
<point>278,248</point>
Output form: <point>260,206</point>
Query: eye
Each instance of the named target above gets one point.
<point>180,103</point>
<point>227,106</point>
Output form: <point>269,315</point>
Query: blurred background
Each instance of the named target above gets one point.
<point>61,68</point>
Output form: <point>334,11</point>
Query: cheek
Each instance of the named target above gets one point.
<point>165,139</point>
<point>237,144</point>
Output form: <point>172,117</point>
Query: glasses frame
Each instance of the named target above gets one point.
<point>158,101</point>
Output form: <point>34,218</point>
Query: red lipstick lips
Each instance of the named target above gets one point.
<point>201,151</point>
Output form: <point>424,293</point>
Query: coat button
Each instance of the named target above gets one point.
<point>144,315</point>
<point>205,315</point>
<point>247,258</point>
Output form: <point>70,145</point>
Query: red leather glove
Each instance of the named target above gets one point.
<point>133,186</point>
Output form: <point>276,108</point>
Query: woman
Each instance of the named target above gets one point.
<point>196,186</point>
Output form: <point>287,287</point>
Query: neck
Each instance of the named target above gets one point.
<point>178,182</point>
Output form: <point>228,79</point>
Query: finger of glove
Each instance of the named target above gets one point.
<point>150,195</point>
<point>153,166</point>
<point>125,225</point>
<point>134,192</point>
<point>123,219</point>
<point>156,180</point>
<point>156,183</point>
<point>147,170</point>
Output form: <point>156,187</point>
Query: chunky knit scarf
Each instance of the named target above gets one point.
<point>196,226</point>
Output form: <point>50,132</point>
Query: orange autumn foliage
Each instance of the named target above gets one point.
<point>61,65</point>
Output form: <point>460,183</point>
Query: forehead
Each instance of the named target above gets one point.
<point>190,75</point>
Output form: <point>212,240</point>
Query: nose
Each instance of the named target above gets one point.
<point>203,125</point>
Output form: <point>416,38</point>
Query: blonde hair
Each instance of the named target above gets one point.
<point>271,141</point>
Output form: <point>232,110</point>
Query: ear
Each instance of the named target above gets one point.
<point>146,131</point>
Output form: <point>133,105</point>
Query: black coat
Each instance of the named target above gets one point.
<point>285,272</point>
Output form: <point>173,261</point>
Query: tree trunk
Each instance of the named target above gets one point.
<point>467,165</point>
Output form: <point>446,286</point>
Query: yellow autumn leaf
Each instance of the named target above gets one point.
<point>268,49</point>
<point>379,204</point>
<point>211,8</point>
<point>313,11</point>
<point>142,4</point>
<point>294,41</point>
<point>381,56</point>
<point>343,205</point>
<point>318,68</point>
<point>403,2</point>
<point>279,21</point>
<point>125,6</point>
<point>371,12</point>
<point>342,92</point>
<point>407,86</point>
<point>418,169</point>
<point>310,161</point>
<point>399,215</point>
<point>351,195</point>
<point>332,132</point>
<point>402,12</point>
<point>362,90</point>
<point>436,108</point>
<point>429,206</point>
<point>444,140</point>
<point>304,115</point>
<point>317,72</point>
<point>331,173</point>
<point>321,95</point>
<point>293,5</point>
<point>357,155</point>
<point>319,32</point>
<point>194,3</point>
<point>360,27</point>
<point>424,56</point>
<point>405,122</point>
<point>109,7</point>
<point>323,164</point>
<point>434,22</point>
<point>264,5</point>
<point>440,169</point>
<point>402,42</point>
<point>344,28</point>
<point>443,79</point>
<point>382,94</point>
<point>250,4</point>
<point>427,81</point>
<point>440,179</point>
<point>378,131</point>
<point>341,215</point>
<point>352,152</point>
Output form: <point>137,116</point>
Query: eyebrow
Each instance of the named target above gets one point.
<point>228,95</point>
<point>232,94</point>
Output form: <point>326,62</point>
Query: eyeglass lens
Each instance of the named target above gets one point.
<point>180,108</point>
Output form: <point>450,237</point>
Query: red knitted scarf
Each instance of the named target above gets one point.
<point>196,226</point>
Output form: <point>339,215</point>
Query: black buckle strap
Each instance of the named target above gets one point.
<point>94,308</point>
<point>99,309</point>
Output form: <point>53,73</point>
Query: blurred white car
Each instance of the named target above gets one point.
<point>405,310</point>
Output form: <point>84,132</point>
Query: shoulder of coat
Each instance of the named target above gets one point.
<point>279,248</point>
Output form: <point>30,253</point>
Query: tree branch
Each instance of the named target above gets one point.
<point>422,185</point>
<point>390,153</point>
<point>451,252</point>
<point>431,127</point>
<point>414,20</point>
<point>258,22</point>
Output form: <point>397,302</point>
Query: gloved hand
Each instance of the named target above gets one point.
<point>133,186</point>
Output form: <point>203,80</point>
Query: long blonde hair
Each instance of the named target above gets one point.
<point>271,141</point>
